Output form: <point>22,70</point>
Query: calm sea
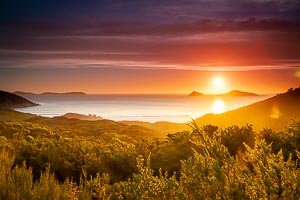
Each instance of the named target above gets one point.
<point>150,108</point>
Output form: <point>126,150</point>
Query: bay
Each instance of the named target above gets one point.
<point>149,108</point>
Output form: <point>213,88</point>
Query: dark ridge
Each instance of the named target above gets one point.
<point>10,100</point>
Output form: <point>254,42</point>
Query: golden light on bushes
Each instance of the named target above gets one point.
<point>275,112</point>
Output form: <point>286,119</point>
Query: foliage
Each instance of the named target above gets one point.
<point>7,114</point>
<point>39,162</point>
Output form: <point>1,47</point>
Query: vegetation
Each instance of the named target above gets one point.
<point>82,117</point>
<point>40,162</point>
<point>7,114</point>
<point>61,158</point>
<point>94,128</point>
<point>163,128</point>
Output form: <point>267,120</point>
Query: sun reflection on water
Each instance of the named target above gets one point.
<point>218,106</point>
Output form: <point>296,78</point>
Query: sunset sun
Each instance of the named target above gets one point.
<point>218,84</point>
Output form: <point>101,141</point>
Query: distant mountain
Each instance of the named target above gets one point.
<point>20,93</point>
<point>195,93</point>
<point>49,93</point>
<point>238,93</point>
<point>232,93</point>
<point>10,100</point>
<point>64,93</point>
<point>82,117</point>
<point>275,112</point>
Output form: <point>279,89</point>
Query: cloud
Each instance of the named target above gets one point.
<point>139,28</point>
<point>154,33</point>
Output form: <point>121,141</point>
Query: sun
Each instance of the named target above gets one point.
<point>218,82</point>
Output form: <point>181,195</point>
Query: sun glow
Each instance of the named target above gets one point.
<point>218,106</point>
<point>218,84</point>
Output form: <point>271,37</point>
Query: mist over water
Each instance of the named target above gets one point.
<point>149,108</point>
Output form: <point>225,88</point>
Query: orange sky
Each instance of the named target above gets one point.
<point>170,81</point>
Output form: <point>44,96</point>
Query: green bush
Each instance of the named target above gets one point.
<point>207,163</point>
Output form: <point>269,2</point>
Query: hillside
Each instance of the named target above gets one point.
<point>275,112</point>
<point>163,128</point>
<point>94,128</point>
<point>7,114</point>
<point>10,100</point>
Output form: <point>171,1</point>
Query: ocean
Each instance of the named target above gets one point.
<point>149,108</point>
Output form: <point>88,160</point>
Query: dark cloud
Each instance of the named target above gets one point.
<point>154,10</point>
<point>134,28</point>
<point>187,32</point>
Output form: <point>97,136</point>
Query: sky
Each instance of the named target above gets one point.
<point>149,46</point>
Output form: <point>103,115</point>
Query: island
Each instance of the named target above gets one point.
<point>21,93</point>
<point>232,93</point>
<point>64,93</point>
<point>195,93</point>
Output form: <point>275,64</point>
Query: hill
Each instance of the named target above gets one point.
<point>10,100</point>
<point>94,128</point>
<point>105,129</point>
<point>7,114</point>
<point>275,112</point>
<point>163,128</point>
